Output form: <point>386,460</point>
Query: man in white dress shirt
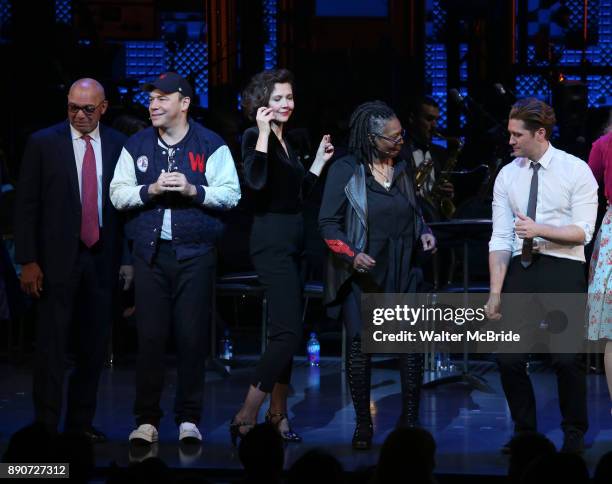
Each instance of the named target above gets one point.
<point>544,210</point>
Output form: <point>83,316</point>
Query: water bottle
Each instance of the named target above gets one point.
<point>313,349</point>
<point>442,362</point>
<point>227,348</point>
<point>314,377</point>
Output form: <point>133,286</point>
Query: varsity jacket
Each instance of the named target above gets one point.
<point>195,224</point>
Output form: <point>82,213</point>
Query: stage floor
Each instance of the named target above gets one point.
<point>469,425</point>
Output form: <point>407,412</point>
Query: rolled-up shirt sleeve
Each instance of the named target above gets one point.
<point>502,237</point>
<point>584,202</point>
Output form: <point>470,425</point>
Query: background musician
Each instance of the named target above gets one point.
<point>422,121</point>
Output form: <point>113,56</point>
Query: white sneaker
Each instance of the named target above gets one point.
<point>145,433</point>
<point>189,433</point>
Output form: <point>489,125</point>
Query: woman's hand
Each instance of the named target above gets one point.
<point>363,262</point>
<point>326,149</point>
<point>324,154</point>
<point>263,118</point>
<point>429,242</point>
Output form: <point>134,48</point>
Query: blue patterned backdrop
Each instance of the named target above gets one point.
<point>270,23</point>
<point>435,56</point>
<point>5,12</point>
<point>598,52</point>
<point>63,11</point>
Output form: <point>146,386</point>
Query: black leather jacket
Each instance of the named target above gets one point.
<point>354,230</point>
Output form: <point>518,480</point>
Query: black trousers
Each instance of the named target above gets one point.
<point>92,325</point>
<point>171,291</point>
<point>276,249</point>
<point>545,275</point>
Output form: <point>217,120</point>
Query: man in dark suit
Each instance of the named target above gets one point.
<point>68,237</point>
<point>422,122</point>
<point>422,115</point>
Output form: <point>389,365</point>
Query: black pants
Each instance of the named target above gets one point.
<point>172,291</point>
<point>351,314</point>
<point>276,249</point>
<point>545,275</point>
<point>55,311</point>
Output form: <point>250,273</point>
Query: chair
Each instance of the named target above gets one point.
<point>236,284</point>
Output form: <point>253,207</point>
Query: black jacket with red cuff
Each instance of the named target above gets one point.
<point>343,219</point>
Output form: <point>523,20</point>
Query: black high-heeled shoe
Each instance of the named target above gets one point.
<point>234,429</point>
<point>287,435</point>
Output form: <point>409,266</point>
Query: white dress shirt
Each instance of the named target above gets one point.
<point>567,195</point>
<point>419,156</point>
<point>79,145</point>
<point>166,230</point>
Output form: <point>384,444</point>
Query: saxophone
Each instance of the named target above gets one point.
<point>422,174</point>
<point>436,197</point>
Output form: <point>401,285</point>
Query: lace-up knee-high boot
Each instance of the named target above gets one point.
<point>411,377</point>
<point>359,372</point>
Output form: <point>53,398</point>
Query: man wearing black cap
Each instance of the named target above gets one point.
<point>176,177</point>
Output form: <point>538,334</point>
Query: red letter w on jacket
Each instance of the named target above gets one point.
<point>197,162</point>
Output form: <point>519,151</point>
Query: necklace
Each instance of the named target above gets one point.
<point>387,182</point>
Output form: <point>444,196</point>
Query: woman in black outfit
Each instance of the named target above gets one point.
<point>370,221</point>
<point>273,170</point>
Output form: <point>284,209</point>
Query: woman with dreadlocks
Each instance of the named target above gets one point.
<point>370,221</point>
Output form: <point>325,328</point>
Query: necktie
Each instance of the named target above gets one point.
<point>90,228</point>
<point>531,213</point>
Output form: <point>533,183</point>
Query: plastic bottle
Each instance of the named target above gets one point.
<point>313,349</point>
<point>227,347</point>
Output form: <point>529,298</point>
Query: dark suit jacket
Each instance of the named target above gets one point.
<point>48,205</point>
<point>439,155</point>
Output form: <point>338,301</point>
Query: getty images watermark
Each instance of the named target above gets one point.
<point>423,322</point>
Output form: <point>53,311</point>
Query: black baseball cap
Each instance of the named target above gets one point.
<point>170,82</point>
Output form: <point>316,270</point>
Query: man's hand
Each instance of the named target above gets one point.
<point>31,279</point>
<point>157,188</point>
<point>363,262</point>
<point>126,274</point>
<point>429,243</point>
<point>172,182</point>
<point>177,182</point>
<point>525,227</point>
<point>447,189</point>
<point>493,307</point>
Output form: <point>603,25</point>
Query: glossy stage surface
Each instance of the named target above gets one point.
<point>469,425</point>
